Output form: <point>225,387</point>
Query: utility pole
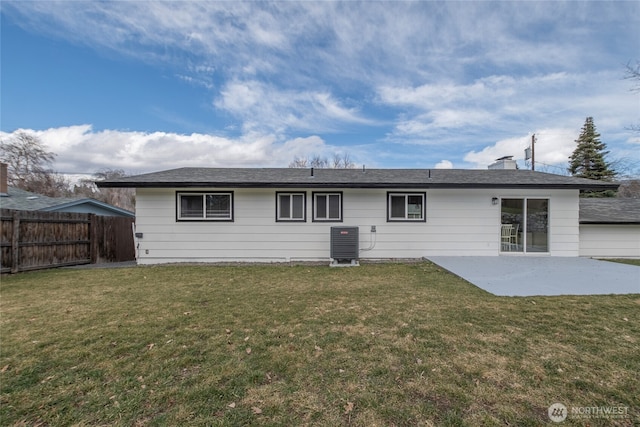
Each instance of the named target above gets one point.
<point>533,152</point>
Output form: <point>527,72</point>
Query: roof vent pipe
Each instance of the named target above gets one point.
<point>311,171</point>
<point>363,171</point>
<point>429,173</point>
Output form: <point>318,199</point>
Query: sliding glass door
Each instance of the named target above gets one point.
<point>524,225</point>
<point>537,236</point>
<point>513,220</point>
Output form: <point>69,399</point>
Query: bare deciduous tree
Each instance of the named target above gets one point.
<point>29,166</point>
<point>342,161</point>
<point>629,189</point>
<point>633,73</point>
<point>299,162</point>
<point>338,161</point>
<point>25,157</point>
<point>121,197</point>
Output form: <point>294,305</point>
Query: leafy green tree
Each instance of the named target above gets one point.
<point>588,159</point>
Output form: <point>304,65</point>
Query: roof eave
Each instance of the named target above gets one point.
<point>610,222</point>
<point>106,184</point>
<point>89,201</point>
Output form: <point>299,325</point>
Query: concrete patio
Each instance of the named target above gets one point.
<point>528,276</point>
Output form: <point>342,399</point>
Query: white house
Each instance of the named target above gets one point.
<point>285,214</point>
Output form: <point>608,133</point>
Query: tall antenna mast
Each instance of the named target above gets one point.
<point>533,152</point>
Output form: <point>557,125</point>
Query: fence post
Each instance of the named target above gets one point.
<point>93,238</point>
<point>15,242</point>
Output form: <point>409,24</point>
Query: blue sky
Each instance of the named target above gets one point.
<point>146,86</point>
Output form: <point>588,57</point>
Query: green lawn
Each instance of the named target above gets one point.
<point>381,344</point>
<point>630,261</point>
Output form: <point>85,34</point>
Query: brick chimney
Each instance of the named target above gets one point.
<point>4,189</point>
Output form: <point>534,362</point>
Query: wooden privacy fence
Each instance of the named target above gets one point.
<point>33,240</point>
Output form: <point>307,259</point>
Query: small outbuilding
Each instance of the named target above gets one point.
<point>610,227</point>
<point>22,200</point>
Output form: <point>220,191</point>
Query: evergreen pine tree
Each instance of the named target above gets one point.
<point>587,160</point>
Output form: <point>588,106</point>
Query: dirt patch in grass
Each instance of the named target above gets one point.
<point>382,344</point>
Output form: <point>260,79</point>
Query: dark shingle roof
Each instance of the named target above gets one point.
<point>353,178</point>
<point>609,211</point>
<point>23,200</point>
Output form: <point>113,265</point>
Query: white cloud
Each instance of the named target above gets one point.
<point>457,75</point>
<point>358,42</point>
<point>498,107</point>
<point>268,108</point>
<point>552,148</point>
<point>196,81</point>
<point>444,164</point>
<point>450,118</point>
<point>432,95</point>
<point>79,149</point>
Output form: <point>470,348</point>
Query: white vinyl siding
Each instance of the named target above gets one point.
<point>610,240</point>
<point>461,222</point>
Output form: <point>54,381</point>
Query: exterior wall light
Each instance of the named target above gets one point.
<point>494,201</point>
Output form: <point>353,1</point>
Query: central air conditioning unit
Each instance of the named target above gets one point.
<point>344,246</point>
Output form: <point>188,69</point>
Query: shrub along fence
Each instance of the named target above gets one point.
<point>33,240</point>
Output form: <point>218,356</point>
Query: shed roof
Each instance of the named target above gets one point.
<point>23,200</point>
<point>609,211</point>
<point>353,178</point>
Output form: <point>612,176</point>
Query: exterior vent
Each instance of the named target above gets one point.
<point>344,246</point>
